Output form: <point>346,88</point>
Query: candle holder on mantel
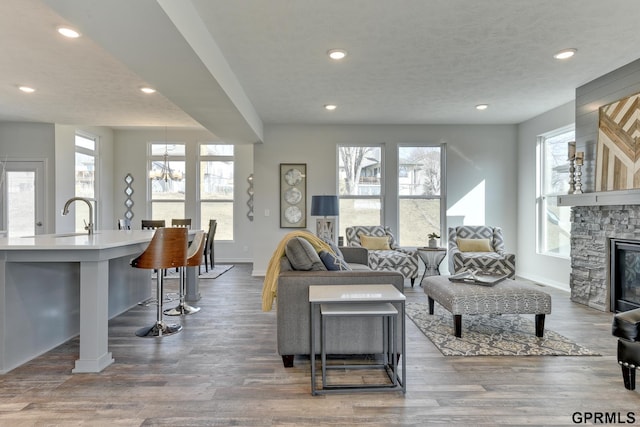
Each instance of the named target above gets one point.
<point>578,173</point>
<point>572,170</point>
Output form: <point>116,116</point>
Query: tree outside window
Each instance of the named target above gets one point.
<point>419,193</point>
<point>360,185</point>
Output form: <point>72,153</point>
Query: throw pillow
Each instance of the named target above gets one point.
<point>375,243</point>
<point>474,245</point>
<point>302,255</point>
<point>336,250</point>
<point>333,262</point>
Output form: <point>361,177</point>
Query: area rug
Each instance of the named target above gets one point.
<point>490,335</point>
<point>214,272</point>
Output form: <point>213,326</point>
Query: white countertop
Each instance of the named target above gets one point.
<point>102,239</point>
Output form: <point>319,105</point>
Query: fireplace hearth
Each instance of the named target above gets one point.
<point>624,265</point>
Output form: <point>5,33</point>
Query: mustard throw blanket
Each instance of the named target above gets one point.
<point>270,285</point>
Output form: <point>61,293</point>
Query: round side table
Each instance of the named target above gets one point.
<point>431,257</point>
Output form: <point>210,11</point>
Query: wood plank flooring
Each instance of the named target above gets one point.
<point>223,370</point>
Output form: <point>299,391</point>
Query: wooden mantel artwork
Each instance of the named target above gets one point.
<point>618,148</point>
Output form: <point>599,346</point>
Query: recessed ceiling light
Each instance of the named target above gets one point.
<point>337,54</point>
<point>147,89</point>
<point>26,89</point>
<point>68,32</point>
<point>565,53</point>
<point>482,106</point>
<point>330,107</point>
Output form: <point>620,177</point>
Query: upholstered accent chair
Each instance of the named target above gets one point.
<point>384,253</point>
<point>479,248</point>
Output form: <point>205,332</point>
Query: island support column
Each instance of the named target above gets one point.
<point>94,317</point>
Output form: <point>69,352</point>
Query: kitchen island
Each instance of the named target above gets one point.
<point>54,287</point>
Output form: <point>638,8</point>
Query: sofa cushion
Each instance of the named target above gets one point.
<point>374,243</point>
<point>336,250</point>
<point>302,255</point>
<point>333,262</point>
<point>474,245</point>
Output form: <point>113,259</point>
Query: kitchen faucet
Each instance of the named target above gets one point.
<point>65,210</point>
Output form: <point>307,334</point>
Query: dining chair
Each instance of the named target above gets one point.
<point>124,224</point>
<point>209,258</point>
<point>152,224</point>
<point>186,222</point>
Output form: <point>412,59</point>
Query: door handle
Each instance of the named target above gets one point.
<point>39,223</point>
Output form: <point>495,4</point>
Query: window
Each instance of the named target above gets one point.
<point>167,180</point>
<point>554,225</point>
<point>419,193</point>
<point>86,150</point>
<point>216,187</point>
<point>360,171</point>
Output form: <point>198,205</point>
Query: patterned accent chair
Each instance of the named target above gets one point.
<point>494,260</point>
<point>396,258</point>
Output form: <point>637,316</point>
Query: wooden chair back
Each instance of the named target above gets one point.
<point>186,222</point>
<point>167,249</point>
<point>152,224</point>
<point>209,255</point>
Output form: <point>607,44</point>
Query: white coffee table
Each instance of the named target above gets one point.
<point>372,299</point>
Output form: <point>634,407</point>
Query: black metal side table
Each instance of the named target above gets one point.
<point>432,258</point>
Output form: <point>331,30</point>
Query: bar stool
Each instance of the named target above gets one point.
<point>167,249</point>
<point>194,257</point>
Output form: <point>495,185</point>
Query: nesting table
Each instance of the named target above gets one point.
<point>384,301</point>
<point>432,258</point>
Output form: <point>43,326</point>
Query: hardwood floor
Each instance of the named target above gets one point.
<point>223,370</point>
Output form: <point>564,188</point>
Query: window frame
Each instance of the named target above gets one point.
<point>95,154</point>
<point>442,194</point>
<point>160,158</point>
<point>380,196</point>
<point>543,197</point>
<point>215,158</point>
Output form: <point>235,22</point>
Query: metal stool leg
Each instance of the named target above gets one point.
<point>182,308</point>
<point>159,329</point>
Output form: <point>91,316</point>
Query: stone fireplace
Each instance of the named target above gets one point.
<point>592,228</point>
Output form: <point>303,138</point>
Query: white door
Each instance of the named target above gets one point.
<point>23,204</point>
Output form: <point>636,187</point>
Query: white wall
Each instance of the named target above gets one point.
<point>545,269</point>
<point>131,152</point>
<point>32,141</point>
<point>481,173</point>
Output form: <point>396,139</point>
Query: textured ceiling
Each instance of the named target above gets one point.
<point>230,66</point>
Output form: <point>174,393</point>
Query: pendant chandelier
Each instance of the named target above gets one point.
<point>165,174</point>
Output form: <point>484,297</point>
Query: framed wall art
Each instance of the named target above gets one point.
<point>618,148</point>
<point>293,195</point>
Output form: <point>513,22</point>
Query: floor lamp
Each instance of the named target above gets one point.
<point>325,206</point>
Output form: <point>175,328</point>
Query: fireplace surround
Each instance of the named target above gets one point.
<point>592,229</point>
<point>624,265</point>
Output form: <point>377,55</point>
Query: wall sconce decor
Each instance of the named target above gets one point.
<point>325,206</point>
<point>250,200</point>
<point>128,191</point>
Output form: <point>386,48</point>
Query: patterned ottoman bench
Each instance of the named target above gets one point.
<point>506,297</point>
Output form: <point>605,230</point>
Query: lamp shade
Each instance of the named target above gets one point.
<point>324,206</point>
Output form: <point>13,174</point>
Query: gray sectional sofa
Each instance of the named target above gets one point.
<point>344,336</point>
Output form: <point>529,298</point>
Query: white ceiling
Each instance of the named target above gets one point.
<point>232,66</point>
